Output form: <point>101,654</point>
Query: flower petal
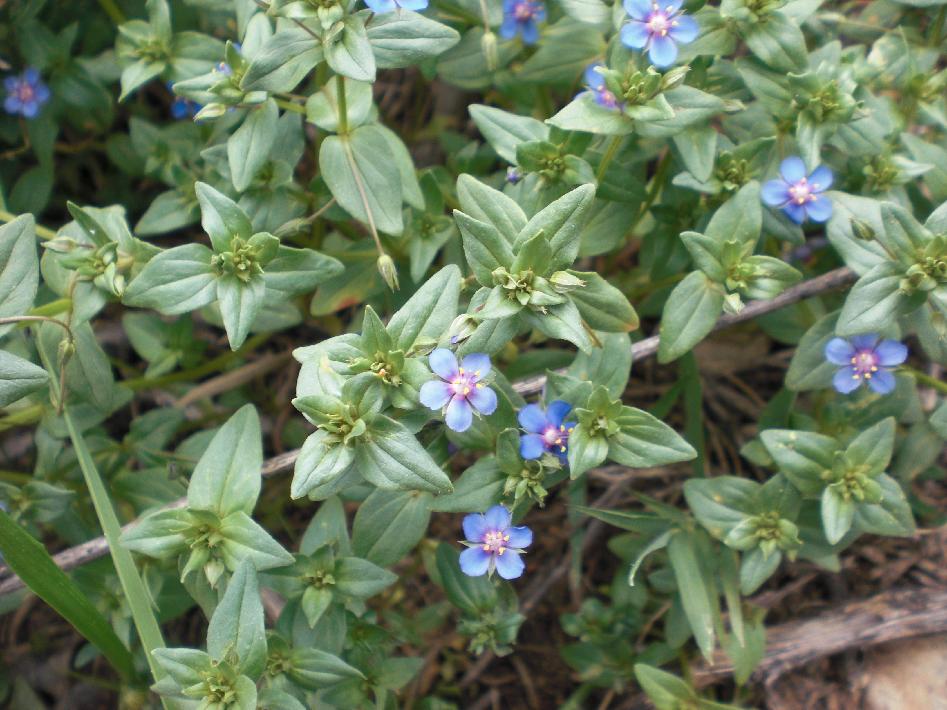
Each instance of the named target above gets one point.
<point>475,527</point>
<point>845,380</point>
<point>882,381</point>
<point>593,79</point>
<point>533,419</point>
<point>474,562</point>
<point>820,209</point>
<point>792,169</point>
<point>509,28</point>
<point>30,109</point>
<point>443,363</point>
<point>532,446</point>
<point>797,213</point>
<point>12,104</point>
<point>476,363</point>
<point>415,5</point>
<point>775,193</point>
<point>672,6</point>
<point>520,537</point>
<point>866,341</point>
<point>663,51</point>
<point>31,75</point>
<point>483,399</point>
<point>530,32</point>
<point>839,351</point>
<point>635,34</point>
<point>891,353</point>
<point>498,518</point>
<point>510,564</point>
<point>435,394</point>
<point>556,412</point>
<point>459,414</point>
<point>821,178</point>
<point>637,9</point>
<point>684,29</point>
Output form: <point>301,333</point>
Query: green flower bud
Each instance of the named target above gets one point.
<point>564,282</point>
<point>488,44</point>
<point>388,271</point>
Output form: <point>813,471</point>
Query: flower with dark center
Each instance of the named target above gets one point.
<point>595,83</point>
<point>798,195</point>
<point>658,29</point>
<point>522,17</point>
<point>460,389</point>
<point>493,543</point>
<point>25,94</point>
<point>865,359</point>
<point>547,431</point>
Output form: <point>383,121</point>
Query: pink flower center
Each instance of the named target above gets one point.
<point>465,383</point>
<point>865,363</point>
<point>802,192</point>
<point>556,438</point>
<point>495,541</point>
<point>25,92</point>
<point>659,22</point>
<point>524,11</point>
<point>606,98</point>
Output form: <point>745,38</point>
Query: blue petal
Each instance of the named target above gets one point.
<point>821,179</point>
<point>557,411</point>
<point>685,29</point>
<point>637,9</point>
<point>443,363</point>
<point>483,399</point>
<point>41,92</point>
<point>510,565</point>
<point>435,394</point>
<point>820,209</point>
<point>539,13</point>
<point>11,83</point>
<point>521,537</point>
<point>593,79</point>
<point>866,341</point>
<point>30,109</point>
<point>792,169</point>
<point>797,213</point>
<point>31,75</point>
<point>533,419</point>
<point>509,6</point>
<point>459,415</point>
<point>415,5</point>
<point>12,104</point>
<point>891,353</point>
<point>477,363</point>
<point>509,28</point>
<point>380,7</point>
<point>839,351</point>
<point>663,51</point>
<point>474,562</point>
<point>845,380</point>
<point>498,518</point>
<point>882,381</point>
<point>635,34</point>
<point>530,32</point>
<point>532,446</point>
<point>672,6</point>
<point>775,193</point>
<point>475,527</point>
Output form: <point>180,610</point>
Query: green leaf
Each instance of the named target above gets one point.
<point>561,223</point>
<point>176,281</point>
<point>19,268</point>
<point>564,322</point>
<point>221,217</point>
<point>394,459</point>
<point>350,54</point>
<point>474,595</point>
<point>720,503</point>
<point>695,595</point>
<point>479,487</point>
<point>875,302</point>
<point>18,378</point>
<point>240,304</point>
<point>697,147</point>
<point>666,691</point>
<point>779,42</point>
<point>690,313</point>
<point>159,534</point>
<point>244,539</point>
<point>504,131</point>
<point>389,524</point>
<point>313,668</point>
<point>739,218</point>
<point>603,306</point>
<point>808,369</point>
<point>429,312</point>
<point>609,365</point>
<point>584,114</point>
<point>892,516</point>
<point>227,476</point>
<point>585,451</point>
<point>322,107</point>
<point>837,515</point>
<point>283,61</point>
<point>405,38</point>
<point>485,204</point>
<point>484,247</point>
<point>30,561</point>
<point>644,441</point>
<point>237,624</point>
<point>319,464</point>
<point>802,456</point>
<point>250,147</point>
<point>360,578</point>
<point>871,449</point>
<point>294,271</point>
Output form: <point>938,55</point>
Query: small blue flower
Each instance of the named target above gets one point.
<point>865,359</point>
<point>382,6</point>
<point>494,544</point>
<point>25,94</point>
<point>595,83</point>
<point>181,107</point>
<point>513,175</point>
<point>460,389</point>
<point>798,195</point>
<point>546,430</point>
<point>522,17</point>
<point>658,29</point>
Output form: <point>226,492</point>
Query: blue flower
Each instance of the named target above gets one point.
<point>798,195</point>
<point>494,544</point>
<point>522,17</point>
<point>25,94</point>
<point>658,29</point>
<point>181,107</point>
<point>546,430</point>
<point>381,6</point>
<point>460,389</point>
<point>864,359</point>
<point>595,83</point>
<point>513,175</point>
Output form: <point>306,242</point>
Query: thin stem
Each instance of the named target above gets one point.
<point>343,106</point>
<point>363,195</point>
<point>657,182</point>
<point>925,379</point>
<point>290,106</point>
<point>41,231</point>
<point>938,27</point>
<point>610,153</point>
<point>112,10</point>
<point>63,357</point>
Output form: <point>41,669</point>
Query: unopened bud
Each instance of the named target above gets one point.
<point>62,245</point>
<point>388,271</point>
<point>732,303</point>
<point>862,230</point>
<point>461,328</point>
<point>674,78</point>
<point>564,282</point>
<point>212,110</point>
<point>488,43</point>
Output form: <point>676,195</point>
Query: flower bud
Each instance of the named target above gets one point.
<point>564,282</point>
<point>674,78</point>
<point>462,327</point>
<point>862,230</point>
<point>61,245</point>
<point>732,303</point>
<point>488,43</point>
<point>388,271</point>
<point>212,110</point>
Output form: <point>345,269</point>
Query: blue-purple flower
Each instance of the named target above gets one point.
<point>865,359</point>
<point>658,29</point>
<point>595,83</point>
<point>800,195</point>
<point>460,389</point>
<point>182,107</point>
<point>494,544</point>
<point>25,94</point>
<point>513,175</point>
<point>546,430</point>
<point>382,6</point>
<point>522,17</point>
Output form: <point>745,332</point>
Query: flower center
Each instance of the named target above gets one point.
<point>606,98</point>
<point>25,92</point>
<point>802,192</point>
<point>556,438</point>
<point>864,362</point>
<point>465,382</point>
<point>495,541</point>
<point>524,11</point>
<point>658,22</point>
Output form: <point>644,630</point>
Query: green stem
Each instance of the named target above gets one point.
<point>938,27</point>
<point>41,231</point>
<point>343,107</point>
<point>60,305</point>
<point>657,182</point>
<point>290,106</point>
<point>925,379</point>
<point>112,10</point>
<point>26,416</point>
<point>610,153</point>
